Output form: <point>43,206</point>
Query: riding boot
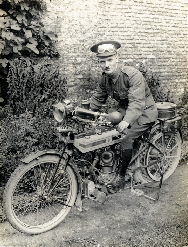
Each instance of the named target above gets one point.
<point>119,181</point>
<point>125,160</point>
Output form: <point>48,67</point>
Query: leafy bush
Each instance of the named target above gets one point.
<point>22,34</point>
<point>34,86</point>
<point>183,111</point>
<point>21,135</point>
<point>27,122</point>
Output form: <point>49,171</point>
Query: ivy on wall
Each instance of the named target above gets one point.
<point>22,33</point>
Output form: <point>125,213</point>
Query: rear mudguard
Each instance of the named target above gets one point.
<point>36,155</point>
<point>181,135</point>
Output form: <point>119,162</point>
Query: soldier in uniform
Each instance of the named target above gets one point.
<point>136,105</point>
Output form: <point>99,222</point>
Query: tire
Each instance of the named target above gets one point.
<point>34,202</point>
<point>154,161</point>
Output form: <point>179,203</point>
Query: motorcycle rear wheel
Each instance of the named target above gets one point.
<point>34,202</point>
<point>155,162</point>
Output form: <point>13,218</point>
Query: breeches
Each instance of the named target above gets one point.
<point>134,132</point>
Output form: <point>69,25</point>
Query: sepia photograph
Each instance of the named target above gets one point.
<point>93,123</point>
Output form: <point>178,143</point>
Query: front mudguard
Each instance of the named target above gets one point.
<point>38,154</point>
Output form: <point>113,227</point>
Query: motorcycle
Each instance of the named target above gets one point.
<point>41,192</point>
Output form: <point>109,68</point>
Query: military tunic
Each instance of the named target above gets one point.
<point>136,103</point>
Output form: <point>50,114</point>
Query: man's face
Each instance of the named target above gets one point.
<point>108,64</point>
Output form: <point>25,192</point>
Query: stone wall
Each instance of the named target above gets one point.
<point>152,30</point>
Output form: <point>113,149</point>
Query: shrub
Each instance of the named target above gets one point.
<point>34,86</point>
<point>27,124</point>
<point>183,111</point>
<point>21,135</point>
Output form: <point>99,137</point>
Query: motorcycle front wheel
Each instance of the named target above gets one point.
<point>38,195</point>
<point>160,159</point>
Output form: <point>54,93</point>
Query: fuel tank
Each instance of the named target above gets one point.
<point>93,142</point>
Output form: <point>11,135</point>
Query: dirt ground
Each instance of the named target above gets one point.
<point>124,219</point>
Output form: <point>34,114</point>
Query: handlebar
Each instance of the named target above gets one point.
<point>63,110</point>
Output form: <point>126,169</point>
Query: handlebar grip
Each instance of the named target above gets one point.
<point>63,130</point>
<point>79,110</point>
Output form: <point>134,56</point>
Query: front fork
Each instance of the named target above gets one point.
<point>66,155</point>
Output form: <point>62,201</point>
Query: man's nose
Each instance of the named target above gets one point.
<point>107,63</point>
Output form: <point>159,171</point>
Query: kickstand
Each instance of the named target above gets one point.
<point>139,192</point>
<point>160,184</point>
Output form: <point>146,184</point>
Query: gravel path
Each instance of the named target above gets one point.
<point>124,220</point>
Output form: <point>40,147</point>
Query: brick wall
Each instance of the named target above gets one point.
<point>151,30</point>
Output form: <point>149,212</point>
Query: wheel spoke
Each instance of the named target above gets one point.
<point>47,184</point>
<point>167,162</point>
<point>37,212</point>
<point>24,205</point>
<point>45,177</point>
<point>170,157</point>
<point>58,183</point>
<point>53,177</point>
<point>176,145</point>
<point>154,155</point>
<point>41,195</point>
<point>63,203</point>
<point>61,200</point>
<point>40,175</point>
<point>35,175</point>
<point>151,163</point>
<point>158,147</point>
<point>49,206</point>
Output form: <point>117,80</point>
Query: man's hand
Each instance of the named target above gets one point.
<point>122,127</point>
<point>102,117</point>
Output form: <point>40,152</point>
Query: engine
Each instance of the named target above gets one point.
<point>106,162</point>
<point>101,172</point>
